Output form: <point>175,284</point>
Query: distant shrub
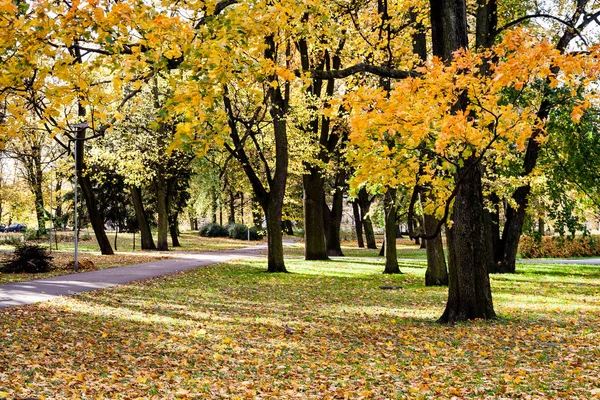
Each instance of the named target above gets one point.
<point>213,230</point>
<point>29,259</point>
<point>559,247</point>
<point>31,234</point>
<point>11,238</point>
<point>240,231</point>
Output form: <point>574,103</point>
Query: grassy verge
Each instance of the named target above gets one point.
<point>220,332</point>
<point>190,241</point>
<point>406,250</point>
<point>64,264</point>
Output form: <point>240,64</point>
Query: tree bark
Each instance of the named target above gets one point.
<point>274,236</point>
<point>214,206</point>
<point>358,224</point>
<point>142,218</point>
<point>437,273</point>
<point>39,197</point>
<point>288,227</point>
<point>231,217</point>
<point>470,253</point>
<point>174,230</point>
<point>161,206</point>
<point>364,203</point>
<point>95,215</point>
<point>391,254</point>
<point>333,217</point>
<point>314,228</point>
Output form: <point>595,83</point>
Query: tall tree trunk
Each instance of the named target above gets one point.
<point>174,229</point>
<point>241,207</point>
<point>358,224</point>
<point>94,214</point>
<point>274,236</point>
<point>39,200</point>
<point>437,273</point>
<point>314,228</point>
<point>257,216</point>
<point>470,253</point>
<point>214,206</point>
<point>288,227</point>
<point>162,210</point>
<point>231,217</point>
<point>364,203</point>
<point>142,218</point>
<point>391,254</point>
<point>333,216</point>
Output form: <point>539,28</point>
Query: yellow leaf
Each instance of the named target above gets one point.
<point>142,379</point>
<point>577,113</point>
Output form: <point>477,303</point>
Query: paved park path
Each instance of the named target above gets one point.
<point>580,261</point>
<point>19,293</point>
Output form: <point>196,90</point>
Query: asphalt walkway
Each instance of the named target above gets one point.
<point>580,261</point>
<point>19,293</point>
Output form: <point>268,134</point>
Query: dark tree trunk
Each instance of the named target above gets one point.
<point>391,254</point>
<point>288,227</point>
<point>274,236</point>
<point>95,216</point>
<point>541,227</point>
<point>358,225</point>
<point>364,203</point>
<point>257,216</point>
<point>470,253</point>
<point>314,228</point>
<point>382,250</point>
<point>333,216</point>
<point>271,200</point>
<point>214,206</point>
<point>174,230</point>
<point>242,207</point>
<point>231,217</point>
<point>515,217</point>
<point>162,209</point>
<point>437,273</point>
<point>492,222</point>
<point>36,186</point>
<point>142,218</point>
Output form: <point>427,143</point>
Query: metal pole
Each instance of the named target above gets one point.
<point>75,212</point>
<point>51,224</point>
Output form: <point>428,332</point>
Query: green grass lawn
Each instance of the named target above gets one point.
<point>220,332</point>
<point>190,241</point>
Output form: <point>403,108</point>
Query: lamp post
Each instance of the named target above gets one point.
<point>82,125</point>
<point>51,221</point>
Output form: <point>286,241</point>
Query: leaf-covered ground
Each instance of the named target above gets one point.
<point>64,264</point>
<point>190,241</point>
<point>220,332</point>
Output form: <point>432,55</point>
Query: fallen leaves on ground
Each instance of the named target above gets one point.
<point>224,332</point>
<point>64,264</point>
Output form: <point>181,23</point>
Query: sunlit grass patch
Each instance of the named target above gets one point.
<point>324,330</point>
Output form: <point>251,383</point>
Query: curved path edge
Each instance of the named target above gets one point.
<point>28,292</point>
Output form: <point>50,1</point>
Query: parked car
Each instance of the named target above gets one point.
<point>16,228</point>
<point>2,228</point>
